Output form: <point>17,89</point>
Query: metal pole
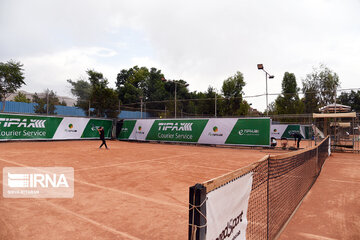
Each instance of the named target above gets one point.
<point>215,105</point>
<point>47,102</point>
<point>267,111</point>
<point>141,103</point>
<point>175,99</point>
<point>145,109</point>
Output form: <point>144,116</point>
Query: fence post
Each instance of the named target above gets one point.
<point>197,211</point>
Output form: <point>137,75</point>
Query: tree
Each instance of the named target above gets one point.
<point>21,97</point>
<point>150,85</point>
<point>46,104</point>
<point>11,79</point>
<point>82,90</point>
<point>351,99</point>
<point>63,103</point>
<point>232,90</point>
<point>319,88</point>
<point>95,93</point>
<point>288,102</point>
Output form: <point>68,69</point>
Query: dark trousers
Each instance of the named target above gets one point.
<point>103,143</point>
<point>298,142</point>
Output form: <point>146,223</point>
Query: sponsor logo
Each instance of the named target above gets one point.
<point>94,128</point>
<point>249,132</point>
<point>42,182</point>
<point>229,229</point>
<point>139,130</point>
<point>26,123</point>
<point>214,133</point>
<point>71,126</point>
<point>187,127</point>
<point>275,131</point>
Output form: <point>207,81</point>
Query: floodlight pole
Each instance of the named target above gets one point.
<point>215,105</point>
<point>267,101</point>
<point>261,67</point>
<point>164,80</point>
<point>175,98</point>
<point>141,106</point>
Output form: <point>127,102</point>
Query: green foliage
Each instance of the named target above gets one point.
<point>140,82</point>
<point>288,102</point>
<point>319,88</point>
<point>63,103</point>
<point>50,98</point>
<point>21,97</point>
<point>351,99</point>
<point>11,79</point>
<point>96,93</point>
<point>232,90</point>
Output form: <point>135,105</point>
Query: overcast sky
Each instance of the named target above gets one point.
<point>202,42</point>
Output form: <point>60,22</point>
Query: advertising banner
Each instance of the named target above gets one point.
<point>126,129</point>
<point>177,130</point>
<point>141,129</point>
<point>27,127</point>
<point>92,125</point>
<point>234,131</point>
<point>32,127</point>
<point>250,132</point>
<point>279,131</point>
<point>217,130</point>
<point>226,209</point>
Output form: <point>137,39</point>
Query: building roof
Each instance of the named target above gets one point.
<point>335,108</point>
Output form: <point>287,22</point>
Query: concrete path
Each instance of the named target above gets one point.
<point>331,209</point>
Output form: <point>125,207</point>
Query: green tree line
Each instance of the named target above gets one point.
<point>148,89</point>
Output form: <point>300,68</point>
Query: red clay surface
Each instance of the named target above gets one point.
<point>331,209</point>
<point>132,191</point>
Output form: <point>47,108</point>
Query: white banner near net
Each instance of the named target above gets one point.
<point>226,209</point>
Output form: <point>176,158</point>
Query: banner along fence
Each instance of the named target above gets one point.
<point>232,131</point>
<point>34,127</point>
<point>256,201</point>
<point>279,131</point>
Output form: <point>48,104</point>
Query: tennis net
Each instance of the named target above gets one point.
<point>278,185</point>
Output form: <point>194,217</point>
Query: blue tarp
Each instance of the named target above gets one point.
<point>21,107</point>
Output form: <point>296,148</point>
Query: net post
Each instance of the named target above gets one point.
<point>197,211</point>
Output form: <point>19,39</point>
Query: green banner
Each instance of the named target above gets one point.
<point>27,127</point>
<point>91,131</point>
<point>177,130</point>
<point>290,129</point>
<point>126,129</point>
<point>250,132</point>
<point>31,127</point>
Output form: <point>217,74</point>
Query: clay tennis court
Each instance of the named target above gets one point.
<point>132,191</point>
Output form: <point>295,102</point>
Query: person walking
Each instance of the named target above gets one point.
<point>102,137</point>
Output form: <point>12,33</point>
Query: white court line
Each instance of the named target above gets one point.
<point>336,180</point>
<point>112,189</point>
<point>125,163</point>
<point>344,163</point>
<point>195,166</point>
<point>109,229</point>
<point>315,237</point>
